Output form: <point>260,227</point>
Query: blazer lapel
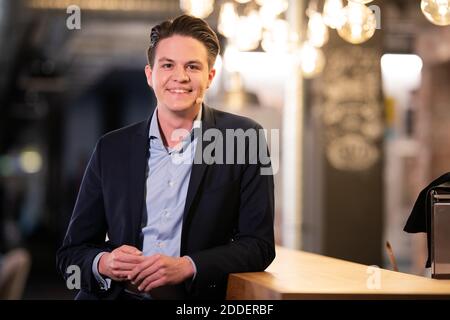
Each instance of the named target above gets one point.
<point>139,149</point>
<point>198,169</point>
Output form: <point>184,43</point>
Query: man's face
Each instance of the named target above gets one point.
<point>180,74</point>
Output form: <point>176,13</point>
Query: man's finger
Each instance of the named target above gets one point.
<point>124,266</point>
<point>144,274</point>
<point>129,249</point>
<point>143,265</point>
<point>136,274</point>
<point>155,284</point>
<point>146,281</point>
<point>120,275</point>
<point>129,258</point>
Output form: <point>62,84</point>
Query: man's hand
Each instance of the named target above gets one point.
<point>160,270</point>
<point>119,263</point>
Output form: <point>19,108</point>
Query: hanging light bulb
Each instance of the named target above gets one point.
<point>227,19</point>
<point>360,23</point>
<point>361,1</point>
<point>317,30</point>
<point>267,17</point>
<point>274,6</point>
<point>243,1</point>
<point>276,39</point>
<point>312,60</point>
<point>436,11</point>
<point>197,8</point>
<point>250,29</point>
<point>333,16</point>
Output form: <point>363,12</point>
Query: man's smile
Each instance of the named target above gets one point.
<point>179,90</point>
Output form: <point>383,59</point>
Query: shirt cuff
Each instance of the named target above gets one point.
<point>104,283</point>
<point>195,267</point>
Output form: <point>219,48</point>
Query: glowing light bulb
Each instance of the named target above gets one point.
<point>360,23</point>
<point>361,1</point>
<point>333,15</point>
<point>317,30</point>
<point>267,17</point>
<point>250,32</point>
<point>276,39</point>
<point>312,60</point>
<point>227,19</point>
<point>30,161</point>
<point>274,6</point>
<point>197,8</point>
<point>243,1</point>
<point>436,11</point>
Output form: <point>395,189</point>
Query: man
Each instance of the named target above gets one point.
<point>176,226</point>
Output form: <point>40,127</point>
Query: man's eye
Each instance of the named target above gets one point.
<point>192,67</point>
<point>167,65</point>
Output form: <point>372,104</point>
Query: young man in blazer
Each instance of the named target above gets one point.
<point>177,221</point>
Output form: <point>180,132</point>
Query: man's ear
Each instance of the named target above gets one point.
<point>211,75</point>
<point>148,75</point>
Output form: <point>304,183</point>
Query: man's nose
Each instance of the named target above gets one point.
<point>180,74</point>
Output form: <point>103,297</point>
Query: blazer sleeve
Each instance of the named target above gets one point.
<point>252,247</point>
<point>85,237</point>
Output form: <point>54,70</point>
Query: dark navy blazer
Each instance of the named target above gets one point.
<point>227,222</point>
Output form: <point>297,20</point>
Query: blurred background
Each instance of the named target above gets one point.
<point>354,96</point>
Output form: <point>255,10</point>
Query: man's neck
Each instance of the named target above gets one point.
<point>170,121</point>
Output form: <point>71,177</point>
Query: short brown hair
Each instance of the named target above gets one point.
<point>185,25</point>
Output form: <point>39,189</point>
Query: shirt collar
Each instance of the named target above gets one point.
<point>198,119</point>
<point>154,127</point>
<point>154,132</point>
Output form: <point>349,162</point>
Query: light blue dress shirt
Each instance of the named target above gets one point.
<point>166,190</point>
<point>169,171</point>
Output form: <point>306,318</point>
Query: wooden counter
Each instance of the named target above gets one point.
<point>302,275</point>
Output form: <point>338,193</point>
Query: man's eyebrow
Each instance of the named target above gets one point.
<point>194,61</point>
<point>165,59</point>
<point>170,60</point>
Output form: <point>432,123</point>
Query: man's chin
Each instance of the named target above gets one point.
<point>181,107</point>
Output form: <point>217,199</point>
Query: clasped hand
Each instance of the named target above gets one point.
<point>127,263</point>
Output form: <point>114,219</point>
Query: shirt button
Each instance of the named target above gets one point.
<point>160,244</point>
<point>171,183</point>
